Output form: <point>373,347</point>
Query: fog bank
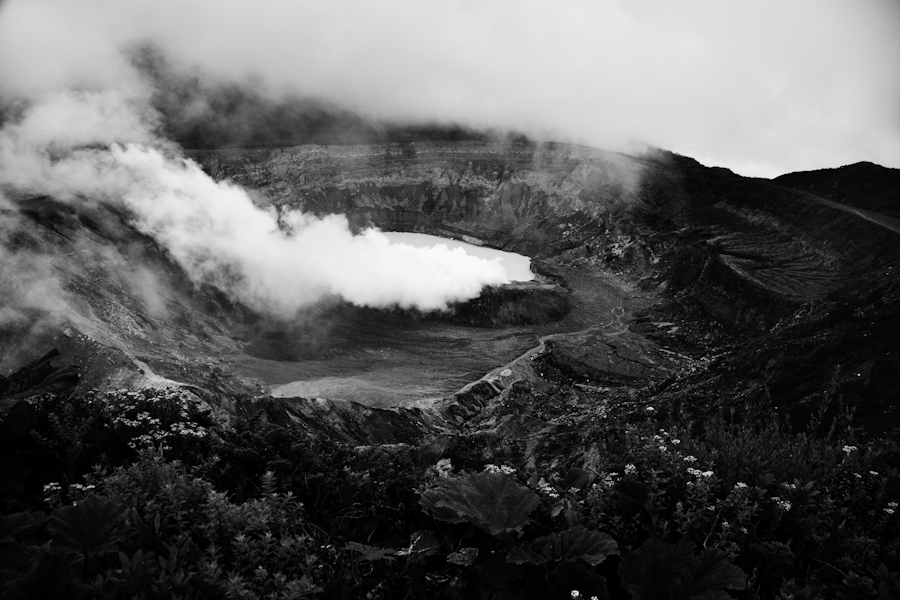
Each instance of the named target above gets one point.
<point>84,147</point>
<point>763,88</point>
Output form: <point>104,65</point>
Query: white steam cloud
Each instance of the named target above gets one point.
<point>275,263</point>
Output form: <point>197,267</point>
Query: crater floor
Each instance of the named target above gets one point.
<point>386,360</point>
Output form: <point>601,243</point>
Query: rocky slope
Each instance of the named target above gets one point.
<point>766,277</point>
<point>684,285</point>
<point>753,250</point>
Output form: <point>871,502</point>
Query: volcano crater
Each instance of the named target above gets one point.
<point>655,278</point>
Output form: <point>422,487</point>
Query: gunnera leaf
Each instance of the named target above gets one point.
<point>709,573</point>
<point>52,576</point>
<point>90,526</point>
<point>17,558</point>
<point>524,556</point>
<point>663,571</point>
<point>490,501</point>
<point>465,557</point>
<point>576,478</point>
<point>370,553</point>
<point>648,572</point>
<point>634,495</point>
<point>576,543</point>
<point>17,525</point>
<point>422,544</point>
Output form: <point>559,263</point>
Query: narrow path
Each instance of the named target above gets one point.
<point>505,376</point>
<point>868,215</point>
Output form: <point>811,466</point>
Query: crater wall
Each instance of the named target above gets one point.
<point>757,250</point>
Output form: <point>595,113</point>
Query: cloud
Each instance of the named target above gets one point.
<point>275,263</point>
<point>763,87</point>
<point>33,300</point>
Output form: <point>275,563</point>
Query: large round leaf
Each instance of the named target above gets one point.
<point>91,526</point>
<point>491,501</point>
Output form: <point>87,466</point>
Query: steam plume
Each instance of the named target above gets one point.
<point>101,146</point>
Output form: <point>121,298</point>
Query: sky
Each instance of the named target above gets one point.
<point>763,87</point>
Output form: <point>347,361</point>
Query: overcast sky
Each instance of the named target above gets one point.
<point>763,87</point>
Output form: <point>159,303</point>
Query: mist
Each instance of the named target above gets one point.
<point>763,88</point>
<point>98,98</point>
<point>88,147</point>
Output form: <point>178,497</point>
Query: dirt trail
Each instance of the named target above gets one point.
<point>503,377</point>
<point>868,215</point>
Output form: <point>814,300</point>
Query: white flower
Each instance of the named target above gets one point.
<point>783,505</point>
<point>630,469</point>
<point>873,473</point>
<point>650,409</point>
<point>444,467</point>
<point>849,449</point>
<point>609,480</point>
<point>892,504</point>
<point>552,493</point>
<point>662,448</point>
<point>576,594</point>
<point>740,485</point>
<point>889,511</point>
<point>676,441</point>
<point>690,459</point>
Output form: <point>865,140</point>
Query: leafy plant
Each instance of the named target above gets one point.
<point>493,502</point>
<point>660,571</point>
<point>576,543</point>
<point>90,527</point>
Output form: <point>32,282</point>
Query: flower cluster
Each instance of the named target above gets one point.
<point>700,474</point>
<point>783,505</point>
<point>82,488</point>
<point>53,494</point>
<point>154,418</point>
<point>444,467</point>
<point>505,469</point>
<point>547,489</point>
<point>608,481</point>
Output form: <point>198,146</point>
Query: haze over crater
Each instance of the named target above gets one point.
<point>763,88</point>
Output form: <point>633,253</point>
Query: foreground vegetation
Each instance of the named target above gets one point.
<point>153,495</point>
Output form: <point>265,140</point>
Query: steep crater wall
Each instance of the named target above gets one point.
<point>748,251</point>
